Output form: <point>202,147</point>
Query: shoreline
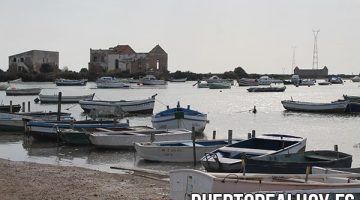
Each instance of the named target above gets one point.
<point>28,180</point>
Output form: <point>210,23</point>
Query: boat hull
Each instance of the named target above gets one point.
<point>127,140</point>
<point>112,107</point>
<point>170,122</point>
<point>335,107</point>
<point>70,82</point>
<point>23,92</point>
<point>65,99</point>
<point>266,89</point>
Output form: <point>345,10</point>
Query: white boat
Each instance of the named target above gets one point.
<point>178,80</point>
<point>4,86</point>
<point>333,107</point>
<point>177,151</point>
<point>185,182</point>
<point>145,106</point>
<point>202,84</point>
<point>306,82</point>
<point>247,82</point>
<point>355,79</point>
<point>180,118</point>
<point>264,80</point>
<point>23,92</point>
<point>336,80</point>
<point>64,99</point>
<point>111,82</point>
<point>151,80</point>
<point>127,139</point>
<point>69,82</point>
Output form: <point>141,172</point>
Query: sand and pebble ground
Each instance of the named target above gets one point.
<point>25,180</point>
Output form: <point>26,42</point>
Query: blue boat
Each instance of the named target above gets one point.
<point>229,158</point>
<point>49,130</point>
<point>180,118</point>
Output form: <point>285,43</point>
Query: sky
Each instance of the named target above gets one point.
<point>199,35</point>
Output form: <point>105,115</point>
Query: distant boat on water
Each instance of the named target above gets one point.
<point>69,82</point>
<point>64,99</point>
<point>266,89</point>
<point>151,80</point>
<point>111,82</point>
<point>178,80</point>
<point>355,79</point>
<point>220,85</point>
<point>23,92</point>
<point>332,107</point>
<point>247,82</point>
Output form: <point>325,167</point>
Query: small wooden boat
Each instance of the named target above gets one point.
<point>266,89</point>
<point>298,162</point>
<point>111,108</point>
<point>219,85</point>
<point>4,86</point>
<point>177,151</point>
<point>151,80</point>
<point>69,82</point>
<point>16,122</point>
<point>81,136</point>
<point>229,158</point>
<point>178,80</point>
<point>185,182</point>
<point>23,92</point>
<point>64,99</point>
<point>183,118</point>
<point>49,130</point>
<point>333,107</point>
<point>6,108</point>
<point>247,82</point>
<point>127,139</point>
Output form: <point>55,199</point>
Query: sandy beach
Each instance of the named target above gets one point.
<point>24,180</point>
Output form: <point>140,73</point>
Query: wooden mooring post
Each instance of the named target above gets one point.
<point>253,134</point>
<point>214,135</point>
<point>11,107</point>
<point>59,106</point>
<point>230,132</point>
<point>193,141</point>
<point>23,107</point>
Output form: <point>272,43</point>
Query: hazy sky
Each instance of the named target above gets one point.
<point>198,35</point>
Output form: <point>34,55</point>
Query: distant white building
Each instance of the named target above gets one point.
<point>34,61</point>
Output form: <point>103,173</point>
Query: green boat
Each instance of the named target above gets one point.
<point>220,85</point>
<point>355,99</point>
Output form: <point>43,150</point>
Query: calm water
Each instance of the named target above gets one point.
<point>226,109</point>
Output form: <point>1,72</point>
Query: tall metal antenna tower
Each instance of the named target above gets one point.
<point>293,64</point>
<point>315,53</point>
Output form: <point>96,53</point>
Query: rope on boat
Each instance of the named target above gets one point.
<point>71,106</point>
<point>160,102</point>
